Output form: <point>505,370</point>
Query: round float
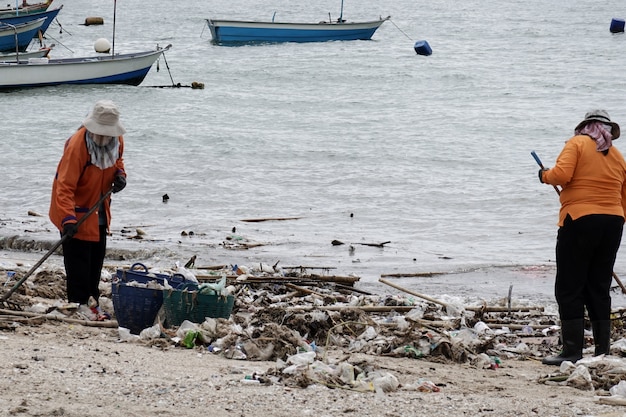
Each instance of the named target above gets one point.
<point>102,45</point>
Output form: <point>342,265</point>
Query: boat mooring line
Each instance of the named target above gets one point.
<point>394,23</point>
<point>61,27</point>
<point>194,85</point>
<point>166,66</point>
<point>60,43</point>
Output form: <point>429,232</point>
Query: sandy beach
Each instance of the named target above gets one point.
<point>72,370</point>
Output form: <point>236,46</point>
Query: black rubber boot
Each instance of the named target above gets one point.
<point>572,337</point>
<point>601,336</point>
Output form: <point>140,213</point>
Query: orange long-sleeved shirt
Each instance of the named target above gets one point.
<point>591,182</point>
<point>78,185</point>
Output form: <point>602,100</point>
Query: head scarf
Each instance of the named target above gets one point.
<point>600,133</point>
<point>103,156</point>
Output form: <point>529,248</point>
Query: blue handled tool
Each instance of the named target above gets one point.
<point>534,154</point>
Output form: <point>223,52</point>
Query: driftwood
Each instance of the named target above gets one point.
<point>415,274</point>
<point>367,309</point>
<point>268,219</point>
<point>211,267</point>
<point>377,245</point>
<point>107,323</point>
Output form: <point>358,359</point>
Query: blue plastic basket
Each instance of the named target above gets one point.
<point>136,308</point>
<point>139,272</point>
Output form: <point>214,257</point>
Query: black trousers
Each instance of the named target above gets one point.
<point>83,265</point>
<point>585,255</point>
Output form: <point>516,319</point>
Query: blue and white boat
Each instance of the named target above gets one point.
<point>130,69</point>
<point>49,15</point>
<point>18,37</point>
<point>245,31</point>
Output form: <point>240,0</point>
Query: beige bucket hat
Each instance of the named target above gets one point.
<point>104,119</point>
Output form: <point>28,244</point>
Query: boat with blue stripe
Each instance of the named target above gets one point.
<point>243,31</point>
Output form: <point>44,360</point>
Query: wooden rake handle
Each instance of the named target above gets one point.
<point>53,248</point>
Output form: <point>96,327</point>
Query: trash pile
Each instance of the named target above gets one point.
<point>294,318</point>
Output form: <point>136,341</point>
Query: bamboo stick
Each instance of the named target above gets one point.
<point>616,278</point>
<point>613,400</point>
<point>496,309</point>
<point>286,296</point>
<point>352,289</point>
<point>305,290</point>
<point>514,326</point>
<point>309,267</point>
<point>425,297</point>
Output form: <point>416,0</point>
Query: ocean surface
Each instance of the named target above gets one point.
<point>363,142</point>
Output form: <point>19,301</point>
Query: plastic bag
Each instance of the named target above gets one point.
<point>186,273</point>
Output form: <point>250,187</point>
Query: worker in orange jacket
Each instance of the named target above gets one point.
<point>592,175</point>
<point>91,165</point>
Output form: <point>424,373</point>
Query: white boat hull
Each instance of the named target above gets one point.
<point>122,69</point>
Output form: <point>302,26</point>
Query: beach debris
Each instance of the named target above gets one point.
<point>376,245</point>
<point>139,234</point>
<point>238,242</point>
<point>191,262</point>
<point>283,312</point>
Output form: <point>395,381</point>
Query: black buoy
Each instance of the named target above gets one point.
<point>617,25</point>
<point>422,48</point>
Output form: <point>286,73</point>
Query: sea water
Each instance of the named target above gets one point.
<point>362,142</point>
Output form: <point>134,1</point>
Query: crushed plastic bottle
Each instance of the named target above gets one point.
<point>10,276</point>
<point>425,385</point>
<point>527,330</point>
